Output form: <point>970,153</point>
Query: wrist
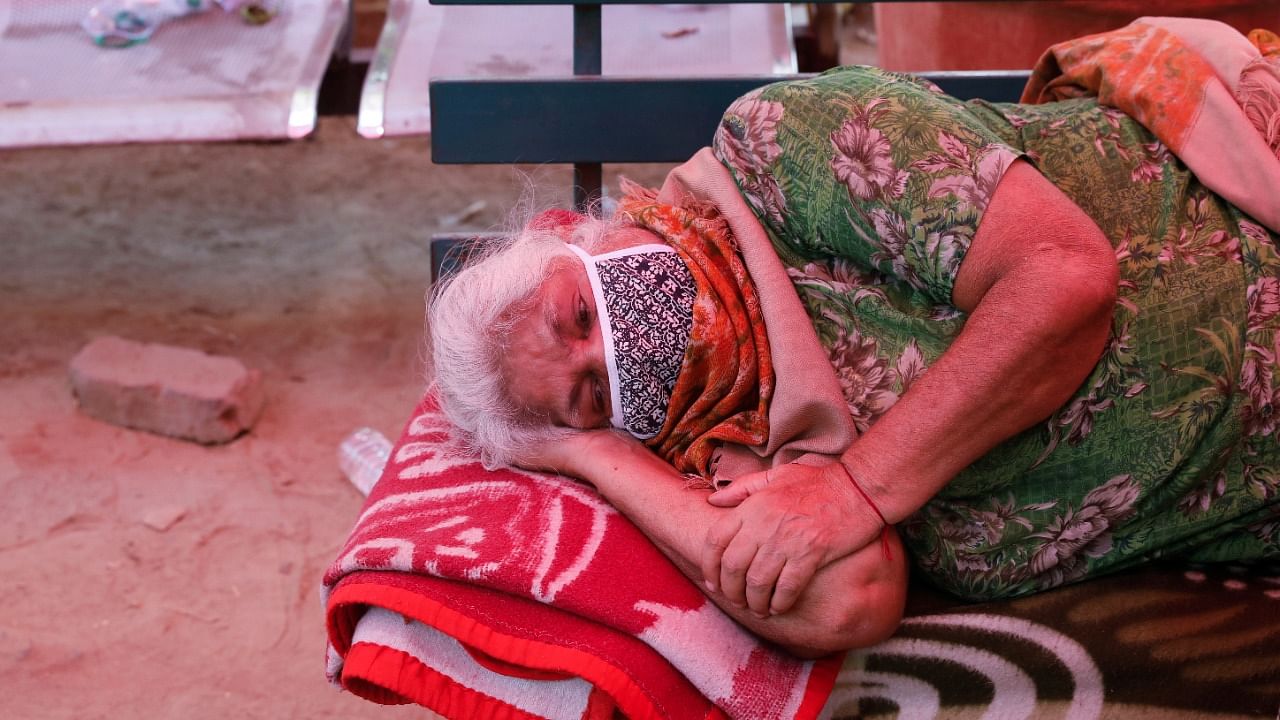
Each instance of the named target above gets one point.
<point>868,502</point>
<point>868,479</point>
<point>599,454</point>
<point>852,479</point>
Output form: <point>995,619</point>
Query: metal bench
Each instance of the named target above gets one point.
<point>589,120</point>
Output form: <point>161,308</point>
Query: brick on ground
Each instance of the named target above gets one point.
<point>169,390</point>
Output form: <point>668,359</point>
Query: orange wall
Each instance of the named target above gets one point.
<point>1012,35</point>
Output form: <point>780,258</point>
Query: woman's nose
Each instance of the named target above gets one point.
<point>594,347</point>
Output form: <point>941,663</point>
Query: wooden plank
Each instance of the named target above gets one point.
<point>612,120</point>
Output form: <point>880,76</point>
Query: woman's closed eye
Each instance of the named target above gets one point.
<point>583,315</point>
<point>597,395</point>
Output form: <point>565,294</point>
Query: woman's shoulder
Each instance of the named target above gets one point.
<point>855,79</point>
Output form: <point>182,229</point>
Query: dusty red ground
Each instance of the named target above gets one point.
<point>307,260</point>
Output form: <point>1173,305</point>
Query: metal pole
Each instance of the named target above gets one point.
<point>588,178</point>
<point>586,40</point>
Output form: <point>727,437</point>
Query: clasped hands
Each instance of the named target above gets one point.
<point>785,524</point>
<point>776,528</point>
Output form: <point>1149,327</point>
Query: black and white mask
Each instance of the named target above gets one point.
<point>644,298</point>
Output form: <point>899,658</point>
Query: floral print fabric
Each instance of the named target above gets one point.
<point>872,184</point>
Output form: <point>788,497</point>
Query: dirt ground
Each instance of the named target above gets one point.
<point>309,261</point>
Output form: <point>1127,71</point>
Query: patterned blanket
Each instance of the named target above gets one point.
<point>1164,641</point>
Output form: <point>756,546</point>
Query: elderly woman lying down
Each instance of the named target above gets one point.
<point>1022,341</point>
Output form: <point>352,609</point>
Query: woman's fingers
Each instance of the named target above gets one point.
<point>737,559</point>
<point>761,578</point>
<point>729,555</point>
<point>780,528</point>
<point>719,535</point>
<point>740,489</point>
<point>792,581</point>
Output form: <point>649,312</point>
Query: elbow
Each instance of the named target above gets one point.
<point>862,613</point>
<point>1095,292</point>
<point>1102,285</point>
<point>851,633</point>
<point>1083,270</point>
<point>1094,296</point>
<point>1100,279</point>
<point>1081,289</point>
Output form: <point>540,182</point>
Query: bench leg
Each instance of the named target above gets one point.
<point>588,178</point>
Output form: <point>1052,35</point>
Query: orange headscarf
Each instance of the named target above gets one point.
<point>726,382</point>
<point>1267,42</point>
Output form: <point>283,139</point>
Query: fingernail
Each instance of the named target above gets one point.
<point>710,586</point>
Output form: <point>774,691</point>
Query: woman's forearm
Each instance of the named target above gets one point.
<point>995,381</point>
<point>853,602</point>
<point>1039,283</point>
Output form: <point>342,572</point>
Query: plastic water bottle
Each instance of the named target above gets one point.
<point>362,456</point>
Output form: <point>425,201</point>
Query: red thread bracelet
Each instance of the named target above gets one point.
<point>884,532</point>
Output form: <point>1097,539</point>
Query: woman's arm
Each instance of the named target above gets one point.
<point>855,601</point>
<point>1039,284</point>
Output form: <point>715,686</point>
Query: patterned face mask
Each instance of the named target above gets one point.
<point>644,299</point>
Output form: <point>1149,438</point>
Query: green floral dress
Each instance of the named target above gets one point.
<point>871,185</point>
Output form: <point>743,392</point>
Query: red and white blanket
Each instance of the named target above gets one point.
<point>507,594</point>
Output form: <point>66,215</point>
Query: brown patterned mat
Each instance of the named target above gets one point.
<point>1164,641</point>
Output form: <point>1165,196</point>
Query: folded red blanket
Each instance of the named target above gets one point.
<point>505,593</point>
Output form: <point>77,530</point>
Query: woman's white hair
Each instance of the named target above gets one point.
<point>470,317</point>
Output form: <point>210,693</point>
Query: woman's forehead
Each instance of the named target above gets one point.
<point>561,276</point>
<point>567,274</point>
<point>538,316</point>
